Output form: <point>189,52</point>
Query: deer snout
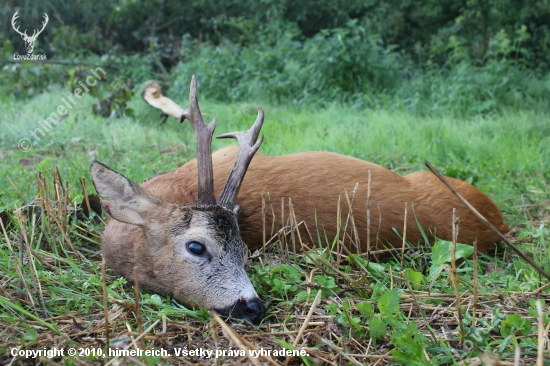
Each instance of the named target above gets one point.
<point>250,309</point>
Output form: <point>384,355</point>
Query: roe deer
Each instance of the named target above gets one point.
<point>192,252</point>
<point>313,180</point>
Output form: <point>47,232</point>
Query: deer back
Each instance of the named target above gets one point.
<point>315,181</point>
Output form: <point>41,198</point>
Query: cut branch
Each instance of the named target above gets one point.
<point>486,222</point>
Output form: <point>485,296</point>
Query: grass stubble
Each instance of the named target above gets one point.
<point>56,293</point>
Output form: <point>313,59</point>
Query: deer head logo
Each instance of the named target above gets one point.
<point>29,41</point>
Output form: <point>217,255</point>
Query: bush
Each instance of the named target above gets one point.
<point>334,66</point>
<point>350,65</point>
<point>27,79</point>
<point>505,79</point>
<point>441,56</point>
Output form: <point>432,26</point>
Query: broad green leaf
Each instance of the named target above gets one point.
<point>515,322</point>
<point>388,303</point>
<point>415,278</point>
<point>365,308</point>
<point>441,255</point>
<point>302,295</point>
<point>332,308</point>
<point>155,300</point>
<point>409,345</point>
<point>441,252</point>
<point>30,335</point>
<point>328,283</point>
<point>371,267</point>
<point>377,327</point>
<point>349,321</point>
<point>345,304</point>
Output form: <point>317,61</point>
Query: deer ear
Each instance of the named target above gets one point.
<point>124,200</point>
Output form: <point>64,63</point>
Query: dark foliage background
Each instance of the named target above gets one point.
<point>433,56</point>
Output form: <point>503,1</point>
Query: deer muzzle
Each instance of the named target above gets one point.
<point>250,309</point>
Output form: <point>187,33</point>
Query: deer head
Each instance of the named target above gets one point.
<point>29,40</point>
<point>194,252</point>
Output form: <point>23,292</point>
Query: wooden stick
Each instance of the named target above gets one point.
<point>105,304</point>
<point>404,237</point>
<point>455,280</point>
<point>306,322</point>
<point>330,345</point>
<point>114,359</point>
<point>240,342</point>
<point>18,265</point>
<point>54,62</point>
<point>368,212</point>
<point>263,222</point>
<point>540,338</point>
<point>489,225</point>
<point>475,284</point>
<point>136,296</point>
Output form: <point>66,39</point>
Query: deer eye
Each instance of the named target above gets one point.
<point>196,248</point>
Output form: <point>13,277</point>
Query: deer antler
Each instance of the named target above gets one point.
<point>247,148</point>
<point>13,19</point>
<point>203,138</point>
<point>34,34</point>
<point>44,23</point>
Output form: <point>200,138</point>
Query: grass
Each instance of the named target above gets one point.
<point>486,151</point>
<point>51,292</point>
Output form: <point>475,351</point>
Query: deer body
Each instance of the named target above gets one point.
<point>315,181</point>
<point>186,244</point>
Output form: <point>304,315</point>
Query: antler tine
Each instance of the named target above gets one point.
<point>44,22</point>
<point>247,148</point>
<point>203,138</point>
<point>13,20</point>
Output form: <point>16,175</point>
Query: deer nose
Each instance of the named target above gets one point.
<point>250,309</point>
<point>254,311</point>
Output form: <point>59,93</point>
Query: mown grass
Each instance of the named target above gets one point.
<point>504,154</point>
<point>51,290</point>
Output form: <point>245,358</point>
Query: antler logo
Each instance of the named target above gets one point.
<point>29,40</point>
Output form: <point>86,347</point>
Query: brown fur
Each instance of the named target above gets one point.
<point>215,280</point>
<point>315,181</point>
